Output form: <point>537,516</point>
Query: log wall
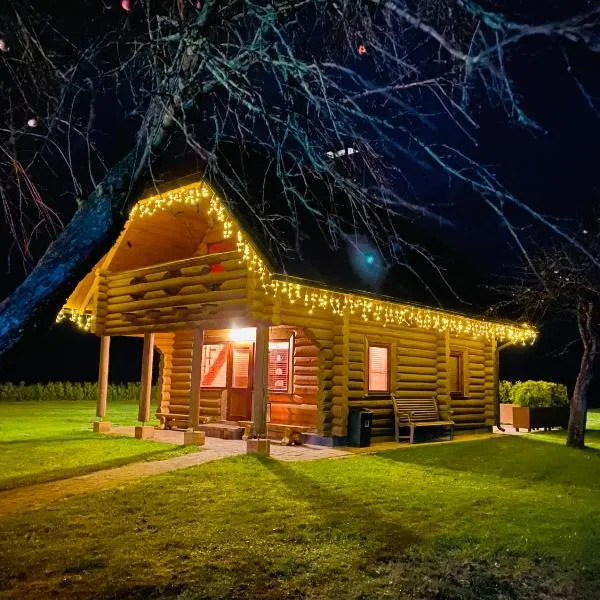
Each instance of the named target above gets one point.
<point>300,406</point>
<point>164,343</point>
<point>330,352</point>
<point>181,371</point>
<point>476,408</point>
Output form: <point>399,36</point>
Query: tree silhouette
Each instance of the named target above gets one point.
<point>93,94</point>
<point>561,284</point>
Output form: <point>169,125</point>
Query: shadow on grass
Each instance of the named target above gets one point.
<point>50,440</point>
<point>319,518</point>
<point>68,472</point>
<point>592,436</point>
<point>525,460</point>
<point>337,510</point>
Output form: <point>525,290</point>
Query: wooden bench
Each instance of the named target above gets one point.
<point>418,414</point>
<point>290,434</point>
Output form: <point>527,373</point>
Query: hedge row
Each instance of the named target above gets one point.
<point>67,391</point>
<point>534,393</point>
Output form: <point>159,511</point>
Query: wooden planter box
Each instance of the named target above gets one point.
<point>506,414</point>
<point>538,418</point>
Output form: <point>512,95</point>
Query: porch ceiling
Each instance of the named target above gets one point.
<point>161,237</point>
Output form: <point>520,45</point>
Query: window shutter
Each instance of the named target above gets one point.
<point>241,360</point>
<point>279,361</point>
<point>379,369</point>
<point>214,366</point>
<point>455,373</point>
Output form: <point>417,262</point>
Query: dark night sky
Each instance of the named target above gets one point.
<point>555,170</point>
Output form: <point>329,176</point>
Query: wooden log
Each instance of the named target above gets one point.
<point>179,299</point>
<point>306,361</point>
<point>471,418</point>
<point>195,377</point>
<point>319,333</point>
<point>414,394</point>
<point>306,351</point>
<point>302,380</point>
<point>240,277</point>
<point>425,378</point>
<point>146,378</point>
<point>415,369</point>
<point>103,377</point>
<point>425,354</point>
<point>416,385</point>
<point>189,265</point>
<point>414,361</point>
<point>306,390</point>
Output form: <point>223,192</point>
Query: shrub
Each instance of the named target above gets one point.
<point>505,389</point>
<point>68,391</point>
<point>534,394</point>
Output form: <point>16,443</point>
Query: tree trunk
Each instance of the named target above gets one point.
<point>90,233</point>
<point>578,413</point>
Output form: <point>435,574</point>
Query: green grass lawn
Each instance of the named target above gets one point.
<point>504,518</point>
<point>43,441</point>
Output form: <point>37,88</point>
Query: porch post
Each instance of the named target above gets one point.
<point>102,425</point>
<point>259,444</point>
<point>145,387</point>
<point>196,369</point>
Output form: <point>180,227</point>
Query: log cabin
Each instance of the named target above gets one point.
<point>241,343</point>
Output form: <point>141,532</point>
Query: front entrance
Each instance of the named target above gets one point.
<point>239,406</point>
<point>227,368</point>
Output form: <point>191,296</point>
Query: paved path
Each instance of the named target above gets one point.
<point>41,494</point>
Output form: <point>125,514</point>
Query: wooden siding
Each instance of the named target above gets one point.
<point>299,407</point>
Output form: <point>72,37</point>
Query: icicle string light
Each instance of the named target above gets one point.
<point>83,320</point>
<point>313,298</point>
<point>381,311</point>
<point>337,303</point>
<point>191,195</point>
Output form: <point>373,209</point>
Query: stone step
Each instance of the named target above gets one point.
<point>225,431</point>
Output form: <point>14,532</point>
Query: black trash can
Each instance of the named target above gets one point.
<point>360,422</point>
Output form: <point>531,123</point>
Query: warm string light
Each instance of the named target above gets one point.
<point>337,303</point>
<point>191,195</point>
<point>381,311</point>
<point>83,320</point>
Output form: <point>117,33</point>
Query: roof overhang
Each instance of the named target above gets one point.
<point>314,296</point>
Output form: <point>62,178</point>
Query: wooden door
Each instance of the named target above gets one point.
<point>240,395</point>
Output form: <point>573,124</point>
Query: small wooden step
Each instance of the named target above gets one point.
<point>225,431</point>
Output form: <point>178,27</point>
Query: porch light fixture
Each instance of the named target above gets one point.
<point>242,334</point>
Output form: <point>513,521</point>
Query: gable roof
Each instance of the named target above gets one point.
<point>200,197</point>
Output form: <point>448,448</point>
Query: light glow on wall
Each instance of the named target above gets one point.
<point>242,334</point>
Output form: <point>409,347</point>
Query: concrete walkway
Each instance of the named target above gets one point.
<point>41,494</point>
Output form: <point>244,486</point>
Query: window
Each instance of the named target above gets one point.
<point>379,371</point>
<point>279,366</point>
<point>455,373</point>
<point>240,371</point>
<point>214,366</point>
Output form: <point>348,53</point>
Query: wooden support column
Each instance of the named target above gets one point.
<point>194,416</point>
<point>102,426</point>
<point>260,445</point>
<point>146,380</point>
<point>103,376</point>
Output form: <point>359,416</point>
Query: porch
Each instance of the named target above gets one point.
<point>221,448</point>
<point>238,383</point>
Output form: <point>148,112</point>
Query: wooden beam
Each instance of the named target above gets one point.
<point>103,376</point>
<point>196,372</point>
<point>146,379</point>
<point>259,394</point>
